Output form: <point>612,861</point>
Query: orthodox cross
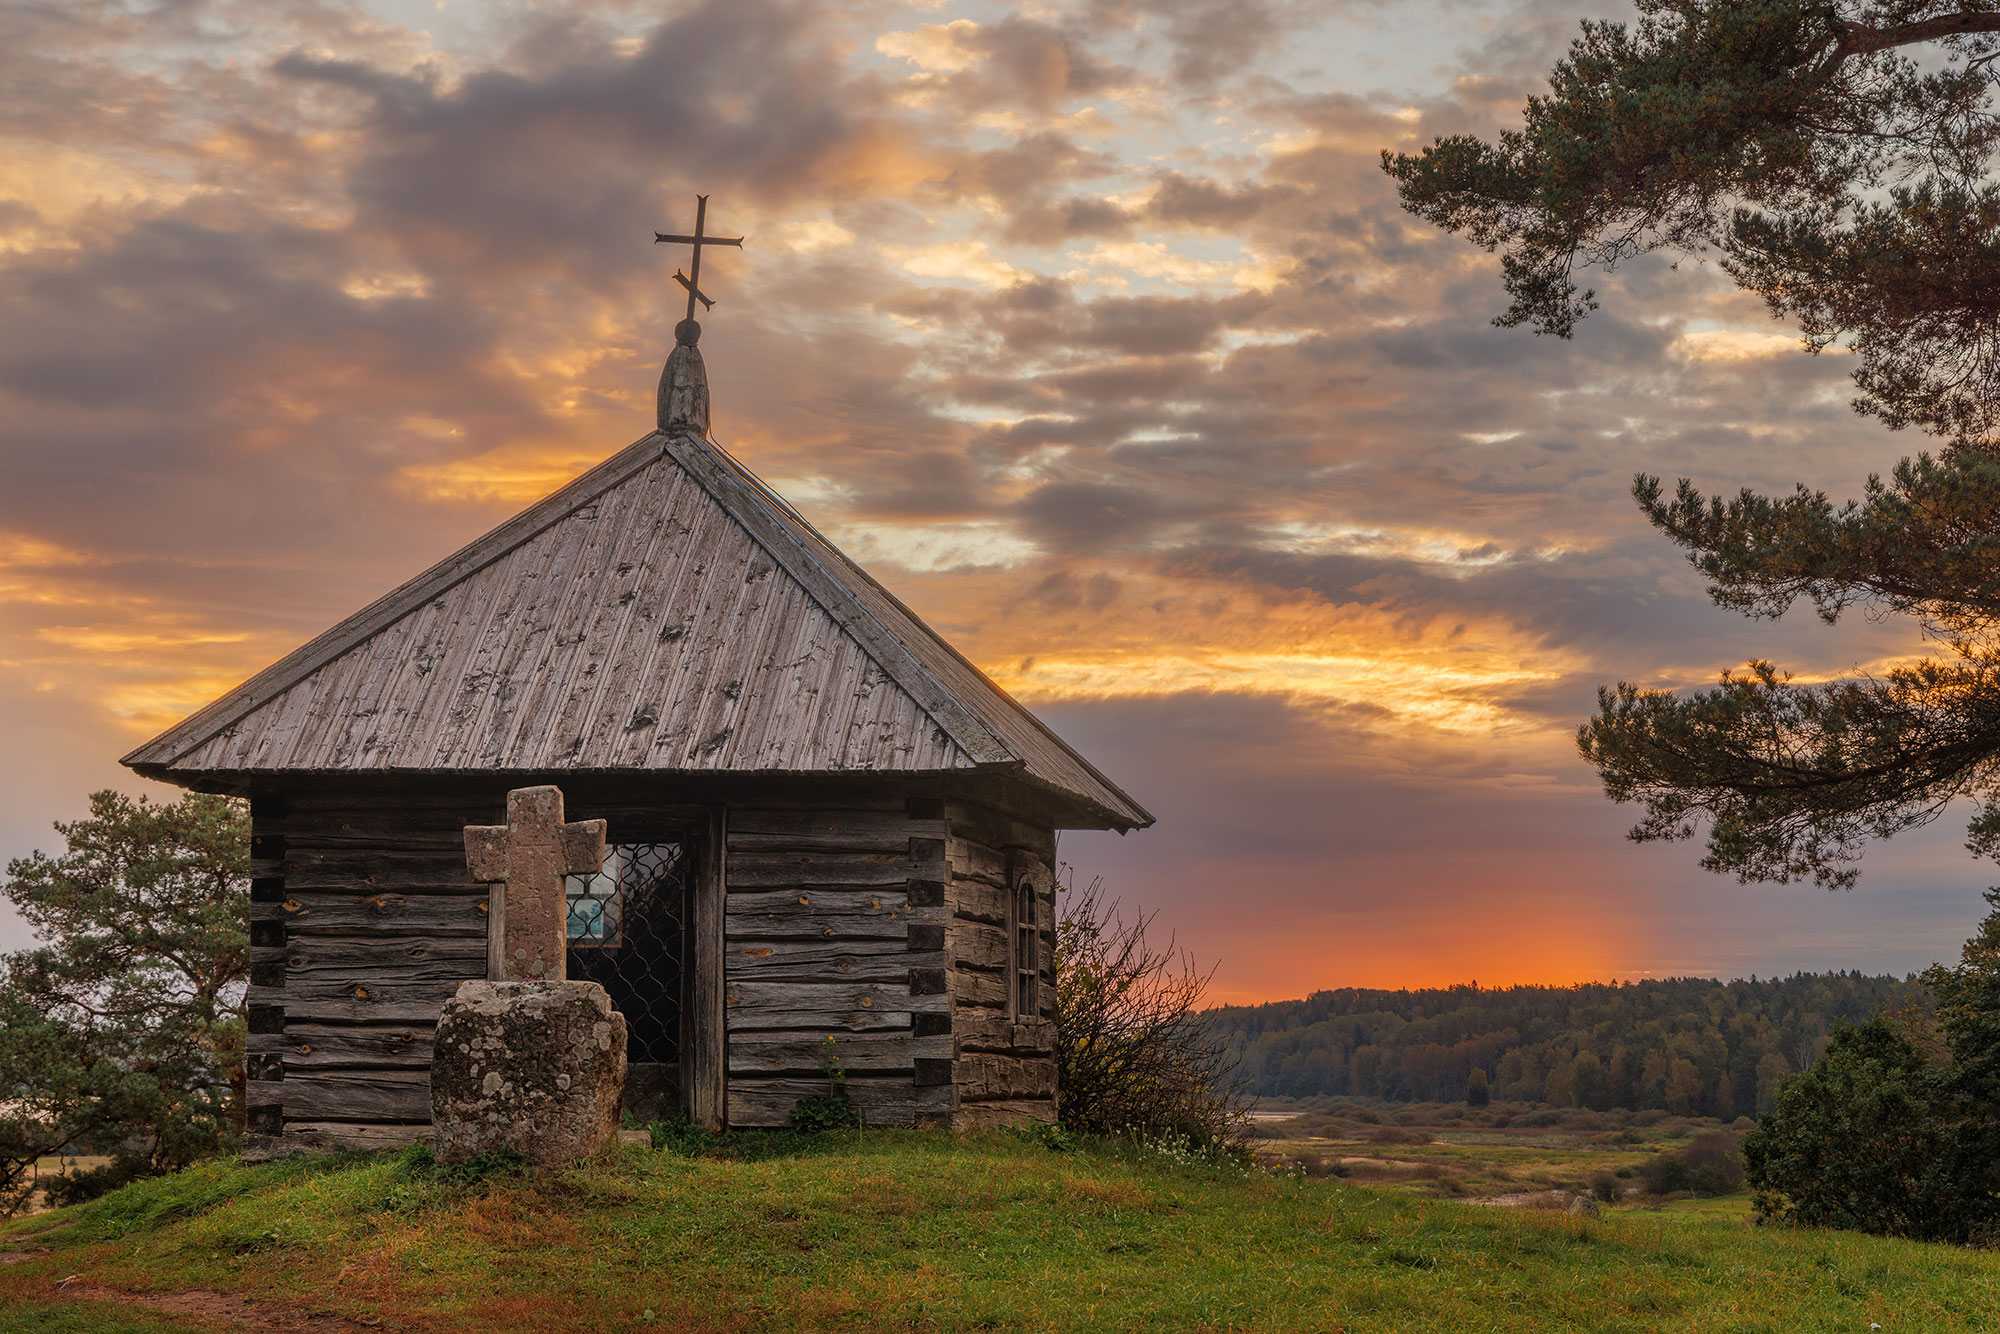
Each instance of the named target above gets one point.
<point>527,927</point>
<point>692,279</point>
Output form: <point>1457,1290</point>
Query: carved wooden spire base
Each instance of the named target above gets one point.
<point>684,384</point>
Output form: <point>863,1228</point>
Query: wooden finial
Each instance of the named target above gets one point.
<point>684,384</point>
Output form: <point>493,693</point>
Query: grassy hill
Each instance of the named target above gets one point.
<point>901,1231</point>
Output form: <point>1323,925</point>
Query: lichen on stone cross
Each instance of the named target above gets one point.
<point>526,859</point>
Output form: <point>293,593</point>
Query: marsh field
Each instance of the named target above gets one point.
<point>1511,1155</point>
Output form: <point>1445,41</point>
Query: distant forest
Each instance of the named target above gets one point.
<point>1691,1046</point>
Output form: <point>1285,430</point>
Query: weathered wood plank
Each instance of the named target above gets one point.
<point>854,960</point>
<point>350,1011</point>
<point>705,1061</point>
<point>745,1000</point>
<point>366,989</point>
<point>784,870</point>
<point>353,1095</point>
<point>804,925</point>
<point>788,1053</point>
<point>405,958</point>
<point>390,914</point>
<point>603,600</point>
<point>406,837</point>
<point>309,867</point>
<point>845,902</point>
<point>815,1021</point>
<point>347,1046</point>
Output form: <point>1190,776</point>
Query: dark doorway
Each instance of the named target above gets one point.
<point>629,933</point>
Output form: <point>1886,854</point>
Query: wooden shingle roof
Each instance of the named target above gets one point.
<point>664,612</point>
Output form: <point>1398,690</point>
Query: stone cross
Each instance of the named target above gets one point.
<point>525,860</point>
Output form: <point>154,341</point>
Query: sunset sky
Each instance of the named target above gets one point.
<point>1093,329</point>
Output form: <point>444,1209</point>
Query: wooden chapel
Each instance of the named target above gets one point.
<point>824,821</point>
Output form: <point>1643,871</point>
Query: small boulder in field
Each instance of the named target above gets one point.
<point>535,1068</point>
<point>1585,1206</point>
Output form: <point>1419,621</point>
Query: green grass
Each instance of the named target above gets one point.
<point>902,1231</point>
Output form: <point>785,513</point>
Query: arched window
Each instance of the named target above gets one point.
<point>1027,951</point>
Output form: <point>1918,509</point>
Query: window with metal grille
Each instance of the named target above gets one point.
<point>1027,951</point>
<point>628,934</point>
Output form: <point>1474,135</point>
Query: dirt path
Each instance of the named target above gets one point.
<point>220,1308</point>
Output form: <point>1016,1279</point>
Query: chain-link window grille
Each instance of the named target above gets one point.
<point>628,934</point>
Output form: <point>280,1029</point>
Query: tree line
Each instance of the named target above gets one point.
<point>1690,1046</point>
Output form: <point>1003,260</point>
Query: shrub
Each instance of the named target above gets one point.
<point>1604,1186</point>
<point>1134,1053</point>
<point>1710,1165</point>
<point>1870,1138</point>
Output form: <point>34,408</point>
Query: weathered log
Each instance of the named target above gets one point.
<point>982,1075</point>
<point>803,923</point>
<point>310,868</point>
<point>817,1021</point>
<point>744,1000</point>
<point>993,1030</point>
<point>373,1095</point>
<point>406,958</point>
<point>339,1011</point>
<point>343,1046</point>
<point>790,1053</point>
<point>365,988</point>
<point>853,960</point>
<point>319,912</point>
<point>976,861</point>
<point>978,944</point>
<point>843,902</point>
<point>784,870</point>
<point>969,986</point>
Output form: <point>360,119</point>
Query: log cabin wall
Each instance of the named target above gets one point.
<point>1005,1071</point>
<point>836,924</point>
<point>869,915</point>
<point>365,919</point>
